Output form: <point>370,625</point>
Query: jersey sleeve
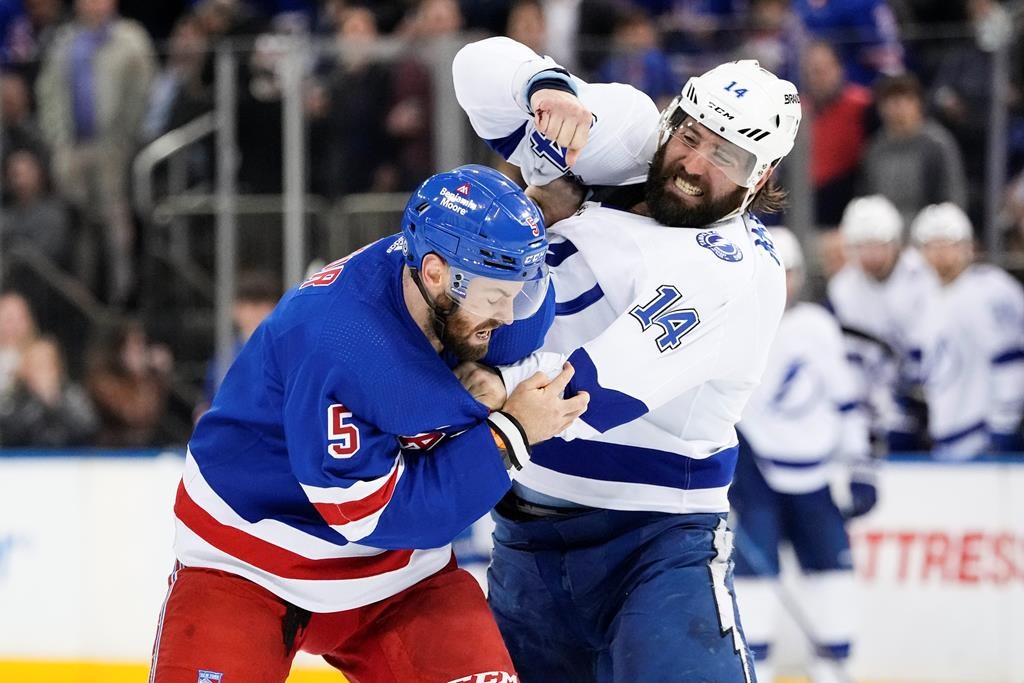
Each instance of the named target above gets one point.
<point>492,77</point>
<point>490,81</point>
<point>391,454</point>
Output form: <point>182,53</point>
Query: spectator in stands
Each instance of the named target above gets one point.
<point>349,109</point>
<point>35,216</point>
<point>44,408</point>
<point>527,24</point>
<point>20,130</point>
<point>409,120</point>
<point>973,351</point>
<point>30,34</point>
<point>92,94</point>
<point>912,160</point>
<point>256,295</point>
<point>962,91</point>
<point>702,28</point>
<point>864,32</point>
<point>835,105</point>
<point>178,93</point>
<point>18,331</point>
<point>638,61</point>
<point>773,37</point>
<point>128,381</point>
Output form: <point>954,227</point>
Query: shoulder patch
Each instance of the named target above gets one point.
<point>719,246</point>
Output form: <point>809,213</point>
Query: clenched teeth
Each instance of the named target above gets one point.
<point>687,188</point>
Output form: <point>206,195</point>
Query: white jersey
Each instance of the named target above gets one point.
<point>807,409</point>
<point>974,361</point>
<point>669,330</point>
<point>883,322</point>
<point>490,79</point>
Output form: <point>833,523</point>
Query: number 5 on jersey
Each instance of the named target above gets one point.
<point>343,436</point>
<point>674,324</point>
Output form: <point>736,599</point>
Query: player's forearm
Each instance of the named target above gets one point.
<point>491,78</point>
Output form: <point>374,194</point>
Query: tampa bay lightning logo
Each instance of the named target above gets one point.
<point>719,246</point>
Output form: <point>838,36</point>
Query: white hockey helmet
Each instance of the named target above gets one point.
<point>748,106</point>
<point>787,247</point>
<point>870,219</point>
<point>945,221</point>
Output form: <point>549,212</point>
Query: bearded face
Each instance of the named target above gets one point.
<point>680,198</point>
<point>467,335</point>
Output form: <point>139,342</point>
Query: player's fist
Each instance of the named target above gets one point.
<point>538,406</point>
<point>483,382</point>
<point>561,117</point>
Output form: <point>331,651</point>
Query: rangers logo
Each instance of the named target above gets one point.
<point>463,189</point>
<point>420,442</point>
<point>719,246</point>
<point>209,676</point>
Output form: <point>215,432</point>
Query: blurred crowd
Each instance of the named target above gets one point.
<point>898,93</point>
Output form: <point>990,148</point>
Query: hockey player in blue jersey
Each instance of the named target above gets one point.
<point>612,554</point>
<point>802,429</point>
<point>341,456</point>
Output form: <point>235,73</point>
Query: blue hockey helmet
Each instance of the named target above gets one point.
<point>488,232</point>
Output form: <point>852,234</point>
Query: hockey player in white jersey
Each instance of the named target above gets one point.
<point>802,423</point>
<point>973,353</point>
<point>879,298</point>
<point>612,555</point>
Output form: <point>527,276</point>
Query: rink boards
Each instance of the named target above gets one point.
<point>85,551</point>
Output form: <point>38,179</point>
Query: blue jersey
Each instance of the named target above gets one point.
<point>864,32</point>
<point>341,455</point>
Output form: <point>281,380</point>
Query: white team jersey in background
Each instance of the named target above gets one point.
<point>891,312</point>
<point>807,408</point>
<point>974,360</point>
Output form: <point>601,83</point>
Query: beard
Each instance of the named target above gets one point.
<point>460,338</point>
<point>668,209</point>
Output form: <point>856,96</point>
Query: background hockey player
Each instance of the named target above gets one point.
<point>612,557</point>
<point>973,355</point>
<point>802,423</point>
<point>341,456</point>
<point>880,297</point>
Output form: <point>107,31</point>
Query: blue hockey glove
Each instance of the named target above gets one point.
<point>863,496</point>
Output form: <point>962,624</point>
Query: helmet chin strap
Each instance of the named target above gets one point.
<point>438,316</point>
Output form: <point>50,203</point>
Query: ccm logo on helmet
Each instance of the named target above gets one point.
<point>720,110</point>
<point>532,258</point>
